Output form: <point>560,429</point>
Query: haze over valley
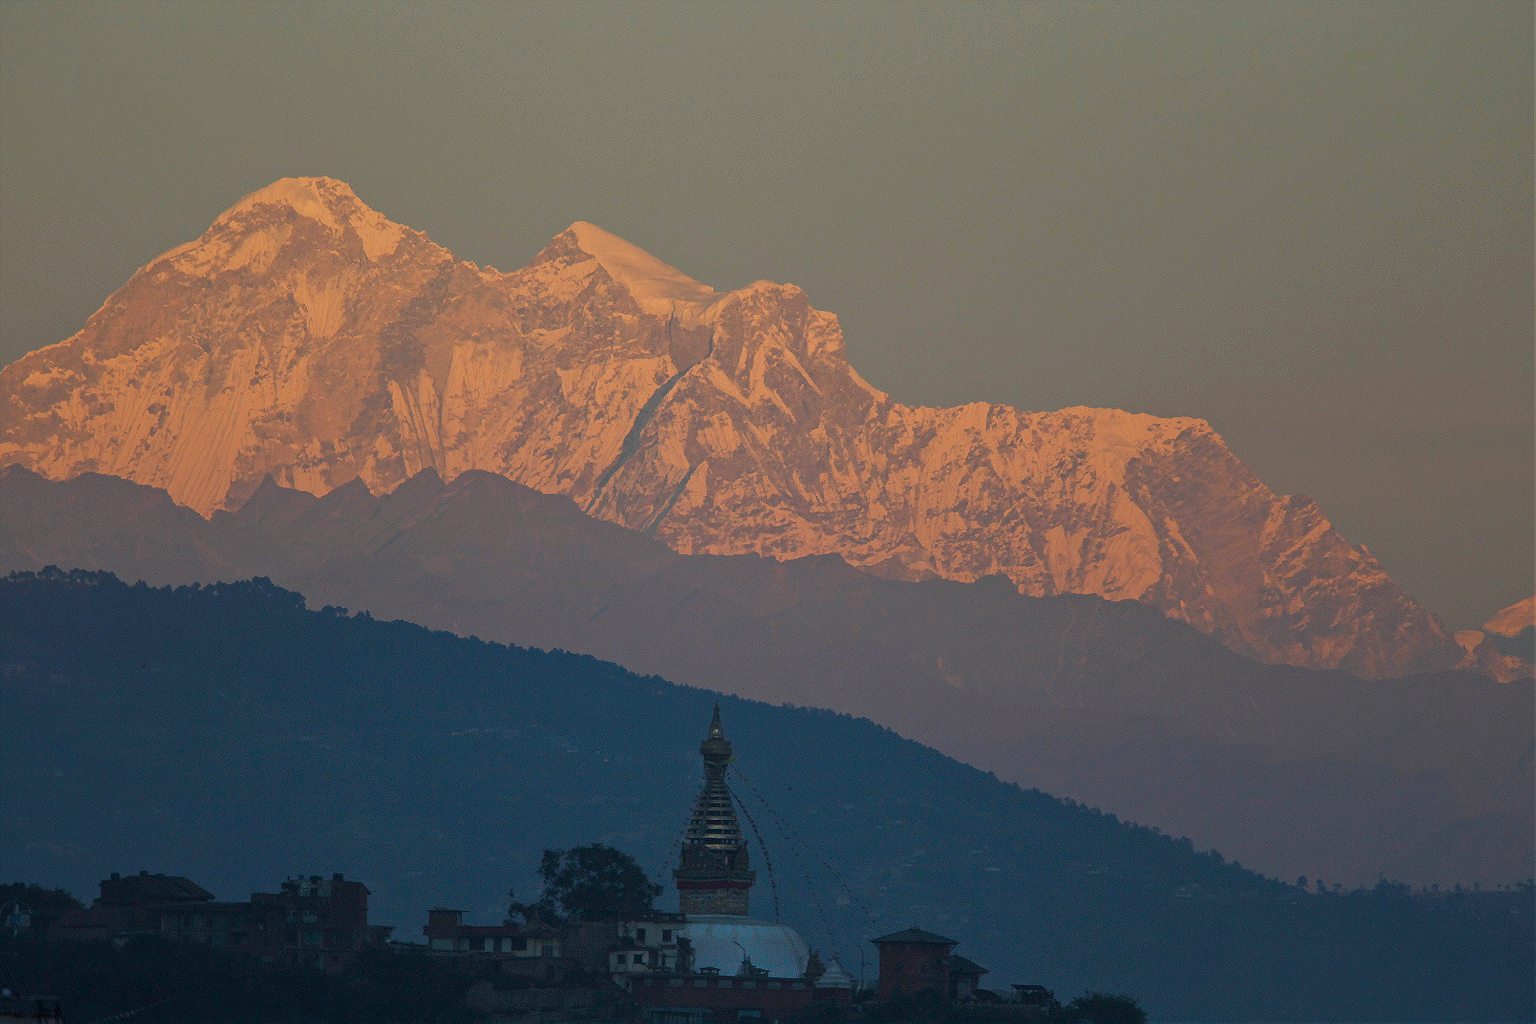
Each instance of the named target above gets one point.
<point>1061,472</point>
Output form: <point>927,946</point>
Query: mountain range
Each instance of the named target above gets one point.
<point>307,337</point>
<point>1291,771</point>
<point>1511,629</point>
<point>231,735</point>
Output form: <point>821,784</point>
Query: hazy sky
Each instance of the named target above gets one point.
<point>1310,224</point>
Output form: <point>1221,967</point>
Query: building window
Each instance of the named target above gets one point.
<point>639,958</point>
<point>623,958</point>
<point>666,935</point>
<point>640,935</point>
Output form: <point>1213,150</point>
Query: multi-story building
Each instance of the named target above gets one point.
<point>913,961</point>
<point>130,905</point>
<point>311,921</point>
<point>654,944</point>
<point>314,921</point>
<point>446,932</point>
<point>533,951</point>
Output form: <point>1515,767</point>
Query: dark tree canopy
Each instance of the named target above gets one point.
<point>596,882</point>
<point>38,898</point>
<point>1103,1008</point>
<point>41,905</point>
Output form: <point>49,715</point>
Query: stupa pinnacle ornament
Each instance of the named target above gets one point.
<point>714,875</point>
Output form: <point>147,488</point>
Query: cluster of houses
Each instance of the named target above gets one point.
<point>709,962</point>
<point>313,921</point>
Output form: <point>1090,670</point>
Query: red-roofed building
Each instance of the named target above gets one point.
<point>913,961</point>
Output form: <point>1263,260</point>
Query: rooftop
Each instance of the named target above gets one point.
<point>145,888</point>
<point>964,965</point>
<point>914,936</point>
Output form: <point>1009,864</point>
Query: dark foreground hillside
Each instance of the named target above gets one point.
<point>1293,772</point>
<point>228,734</point>
<point>151,981</point>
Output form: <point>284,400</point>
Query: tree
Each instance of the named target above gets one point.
<point>1103,1008</point>
<point>593,883</point>
<point>42,905</point>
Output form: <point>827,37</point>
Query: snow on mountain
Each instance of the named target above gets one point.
<point>1510,634</point>
<point>657,288</point>
<point>306,336</point>
<point>1514,620</point>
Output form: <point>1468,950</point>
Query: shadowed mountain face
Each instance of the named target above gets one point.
<point>306,336</point>
<point>260,740</point>
<point>1291,771</point>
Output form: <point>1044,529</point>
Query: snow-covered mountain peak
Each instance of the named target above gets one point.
<point>656,287</point>
<point>251,231</point>
<point>1514,620</point>
<point>306,336</point>
<point>318,198</point>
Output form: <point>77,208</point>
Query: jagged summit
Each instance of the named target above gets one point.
<point>252,233</point>
<point>656,287</point>
<point>307,336</point>
<point>319,198</point>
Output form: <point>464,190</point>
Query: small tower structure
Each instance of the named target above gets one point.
<point>714,875</point>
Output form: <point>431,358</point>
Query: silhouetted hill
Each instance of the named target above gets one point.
<point>228,734</point>
<point>1292,771</point>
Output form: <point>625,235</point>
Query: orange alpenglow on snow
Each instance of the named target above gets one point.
<point>306,336</point>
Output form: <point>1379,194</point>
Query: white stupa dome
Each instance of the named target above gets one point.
<point>722,941</point>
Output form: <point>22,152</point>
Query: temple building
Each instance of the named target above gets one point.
<point>714,875</point>
<point>729,965</point>
<point>714,883</point>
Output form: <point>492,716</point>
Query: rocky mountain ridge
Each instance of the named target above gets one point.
<point>308,337</point>
<point>1292,771</point>
<point>1511,630</point>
